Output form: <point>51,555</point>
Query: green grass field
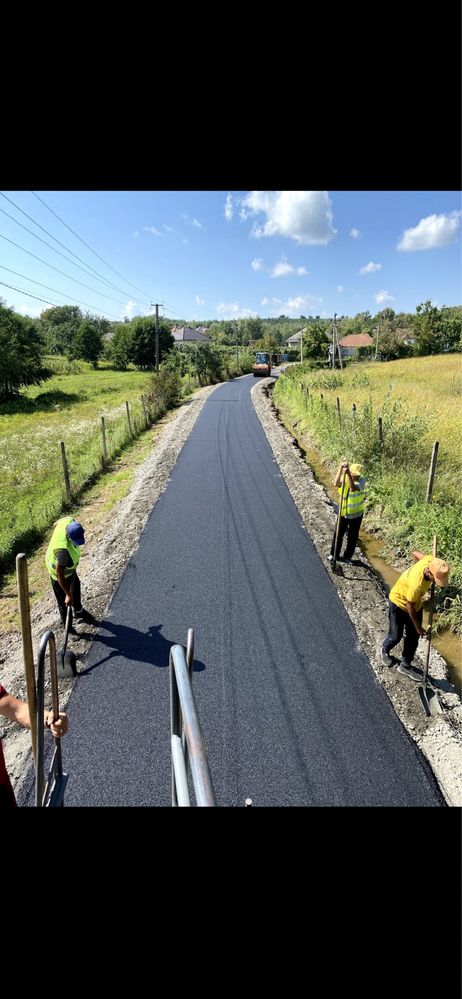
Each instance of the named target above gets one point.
<point>68,407</point>
<point>419,401</point>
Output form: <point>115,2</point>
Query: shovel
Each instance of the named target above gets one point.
<point>49,793</point>
<point>339,514</point>
<point>428,694</point>
<point>67,661</point>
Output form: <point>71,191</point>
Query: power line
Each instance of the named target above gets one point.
<point>76,281</point>
<point>28,293</point>
<point>89,247</point>
<point>99,276</point>
<point>61,255</point>
<point>54,290</point>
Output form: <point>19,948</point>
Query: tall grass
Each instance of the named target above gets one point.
<point>31,427</point>
<point>419,402</point>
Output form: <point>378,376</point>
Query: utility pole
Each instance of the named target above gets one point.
<point>377,341</point>
<point>301,347</point>
<point>157,331</point>
<point>335,343</point>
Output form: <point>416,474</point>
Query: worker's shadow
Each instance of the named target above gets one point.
<point>146,647</point>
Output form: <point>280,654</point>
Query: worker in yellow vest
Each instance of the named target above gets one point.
<point>352,482</point>
<point>61,559</point>
<point>405,609</point>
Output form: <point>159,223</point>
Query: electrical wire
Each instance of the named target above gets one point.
<point>100,276</point>
<point>89,247</point>
<point>54,290</point>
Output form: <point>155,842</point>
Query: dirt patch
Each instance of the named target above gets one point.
<point>439,737</point>
<point>108,548</point>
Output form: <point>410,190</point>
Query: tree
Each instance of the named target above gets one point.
<point>143,341</point>
<point>21,353</point>
<point>315,341</point>
<point>87,343</point>
<point>427,328</point>
<point>119,346</point>
<point>58,326</point>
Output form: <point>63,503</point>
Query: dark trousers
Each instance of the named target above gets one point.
<point>351,527</point>
<point>74,583</point>
<point>401,621</point>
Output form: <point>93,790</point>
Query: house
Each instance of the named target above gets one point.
<point>405,336</point>
<point>184,334</point>
<point>350,344</point>
<point>294,341</point>
<point>202,329</point>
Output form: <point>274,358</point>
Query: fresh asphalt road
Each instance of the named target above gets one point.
<point>291,711</point>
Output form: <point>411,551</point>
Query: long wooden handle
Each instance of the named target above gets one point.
<point>430,616</point>
<point>27,650</point>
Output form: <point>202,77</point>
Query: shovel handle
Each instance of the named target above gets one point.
<point>337,528</point>
<point>430,619</point>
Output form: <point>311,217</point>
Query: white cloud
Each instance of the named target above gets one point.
<point>192,221</point>
<point>136,233</point>
<point>199,300</point>
<point>151,228</point>
<point>184,240</point>
<point>304,216</point>
<point>431,233</point>
<point>340,288</point>
<point>370,268</point>
<point>356,234</point>
<point>169,228</point>
<point>129,309</point>
<point>228,213</point>
<point>257,264</point>
<point>282,268</point>
<point>299,304</point>
<point>383,296</point>
<point>31,310</point>
<point>233,310</point>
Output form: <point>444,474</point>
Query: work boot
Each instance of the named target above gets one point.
<point>386,659</point>
<point>406,670</point>
<point>85,616</point>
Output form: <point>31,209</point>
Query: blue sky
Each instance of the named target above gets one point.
<point>231,254</point>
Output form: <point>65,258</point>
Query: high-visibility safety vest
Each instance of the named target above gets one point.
<point>59,539</point>
<point>353,502</point>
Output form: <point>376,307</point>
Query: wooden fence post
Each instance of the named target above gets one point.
<point>27,651</point>
<point>66,473</point>
<point>103,428</point>
<point>128,418</point>
<point>353,410</point>
<point>380,429</point>
<point>431,474</point>
<point>143,403</point>
<point>338,410</point>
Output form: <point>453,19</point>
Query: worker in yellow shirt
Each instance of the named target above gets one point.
<point>405,609</point>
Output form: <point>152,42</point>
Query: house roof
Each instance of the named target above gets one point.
<point>202,329</point>
<point>296,336</point>
<point>357,340</point>
<point>183,333</point>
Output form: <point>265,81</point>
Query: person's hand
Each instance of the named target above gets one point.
<point>344,466</point>
<point>422,633</point>
<point>68,600</point>
<point>58,727</point>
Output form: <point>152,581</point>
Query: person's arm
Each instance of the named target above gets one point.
<point>418,555</point>
<point>18,711</point>
<point>63,582</point>
<point>412,614</point>
<point>353,487</point>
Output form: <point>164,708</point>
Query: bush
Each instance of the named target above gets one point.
<point>165,391</point>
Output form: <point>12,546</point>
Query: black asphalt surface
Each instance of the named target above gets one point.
<point>290,709</point>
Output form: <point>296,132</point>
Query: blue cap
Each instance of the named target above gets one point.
<point>75,533</point>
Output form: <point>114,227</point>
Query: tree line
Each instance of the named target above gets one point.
<point>65,330</point>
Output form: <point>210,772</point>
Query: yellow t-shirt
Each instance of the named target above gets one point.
<point>411,585</point>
